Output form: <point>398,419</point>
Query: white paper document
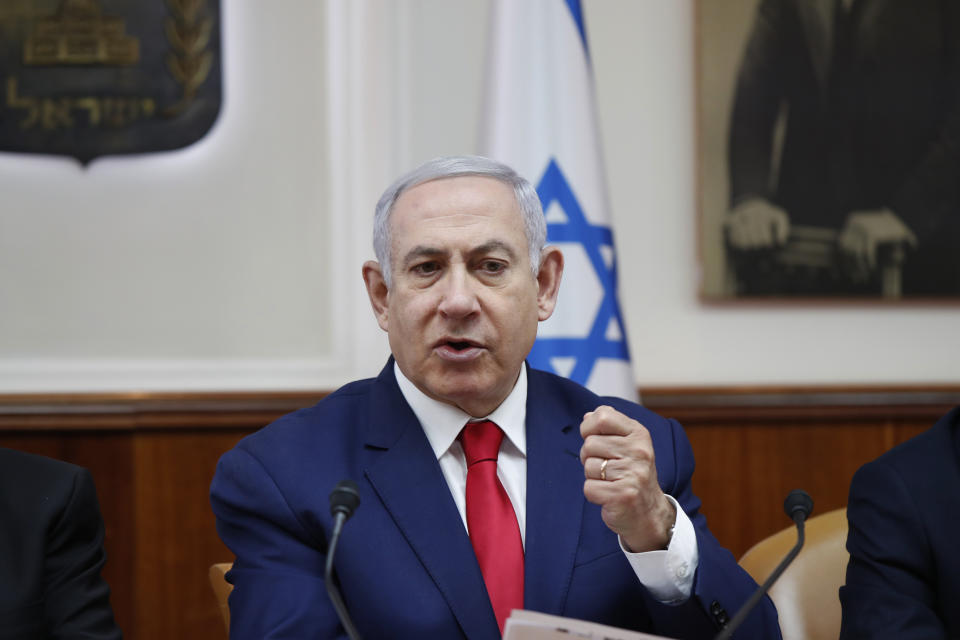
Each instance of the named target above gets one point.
<point>531,625</point>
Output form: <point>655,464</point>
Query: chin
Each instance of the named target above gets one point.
<point>461,390</point>
<point>454,386</point>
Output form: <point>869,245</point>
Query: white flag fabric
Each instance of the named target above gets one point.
<point>540,118</point>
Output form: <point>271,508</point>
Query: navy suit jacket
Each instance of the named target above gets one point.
<point>405,563</point>
<point>903,580</point>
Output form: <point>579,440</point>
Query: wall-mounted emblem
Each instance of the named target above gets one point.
<point>87,78</point>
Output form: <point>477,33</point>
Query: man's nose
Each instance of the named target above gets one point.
<point>458,294</point>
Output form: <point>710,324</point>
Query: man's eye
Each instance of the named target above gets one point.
<point>426,268</point>
<point>492,266</point>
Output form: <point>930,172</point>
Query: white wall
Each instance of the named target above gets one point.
<point>202,267</point>
<point>235,263</point>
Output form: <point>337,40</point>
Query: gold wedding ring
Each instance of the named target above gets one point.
<point>603,468</point>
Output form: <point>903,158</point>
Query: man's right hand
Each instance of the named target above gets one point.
<point>865,232</point>
<point>756,224</point>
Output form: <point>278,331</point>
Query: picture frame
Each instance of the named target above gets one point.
<point>828,149</point>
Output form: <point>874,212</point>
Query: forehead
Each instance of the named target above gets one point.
<point>468,206</point>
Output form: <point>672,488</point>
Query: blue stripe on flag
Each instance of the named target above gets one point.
<point>585,350</point>
<point>577,12</point>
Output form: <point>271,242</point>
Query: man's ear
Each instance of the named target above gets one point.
<point>548,281</point>
<point>377,291</point>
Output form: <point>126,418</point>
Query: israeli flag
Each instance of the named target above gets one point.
<point>540,118</point>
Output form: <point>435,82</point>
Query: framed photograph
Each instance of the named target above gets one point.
<point>829,149</point>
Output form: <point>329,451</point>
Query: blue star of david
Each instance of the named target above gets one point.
<point>585,350</point>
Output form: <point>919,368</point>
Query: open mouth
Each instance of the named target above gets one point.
<point>458,350</point>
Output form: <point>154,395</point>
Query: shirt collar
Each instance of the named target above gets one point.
<point>442,422</point>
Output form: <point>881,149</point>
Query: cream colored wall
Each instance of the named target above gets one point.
<point>202,267</point>
<point>235,263</point>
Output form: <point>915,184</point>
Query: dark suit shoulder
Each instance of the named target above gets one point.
<point>923,462</point>
<point>36,488</point>
<point>339,411</point>
<point>44,497</point>
<point>28,469</point>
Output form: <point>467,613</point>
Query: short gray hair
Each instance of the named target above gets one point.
<point>534,223</point>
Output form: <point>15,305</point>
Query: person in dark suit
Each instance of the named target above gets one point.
<point>869,94</point>
<point>51,552</point>
<point>903,580</point>
<point>591,515</point>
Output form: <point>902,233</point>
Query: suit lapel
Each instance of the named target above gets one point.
<point>409,482</point>
<point>554,497</point>
<point>818,26</point>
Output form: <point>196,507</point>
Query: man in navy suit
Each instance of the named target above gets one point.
<point>599,488</point>
<point>903,580</point>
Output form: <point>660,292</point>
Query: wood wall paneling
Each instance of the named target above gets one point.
<point>153,457</point>
<point>744,472</point>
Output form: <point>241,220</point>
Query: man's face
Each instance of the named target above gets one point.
<point>462,313</point>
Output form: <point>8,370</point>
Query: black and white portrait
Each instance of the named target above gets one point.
<point>829,148</point>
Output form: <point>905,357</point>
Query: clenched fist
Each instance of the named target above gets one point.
<point>621,476</point>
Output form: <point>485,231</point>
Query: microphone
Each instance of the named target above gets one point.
<point>797,506</point>
<point>344,500</point>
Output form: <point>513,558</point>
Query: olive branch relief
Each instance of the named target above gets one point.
<point>188,32</point>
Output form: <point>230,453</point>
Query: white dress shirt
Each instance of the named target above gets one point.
<point>666,574</point>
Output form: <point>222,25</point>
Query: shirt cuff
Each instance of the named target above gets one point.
<point>668,574</point>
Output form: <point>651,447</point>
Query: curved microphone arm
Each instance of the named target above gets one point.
<point>344,500</point>
<point>798,506</point>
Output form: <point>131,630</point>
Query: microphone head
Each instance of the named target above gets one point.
<point>797,503</point>
<point>344,498</point>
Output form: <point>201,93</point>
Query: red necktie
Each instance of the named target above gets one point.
<point>492,521</point>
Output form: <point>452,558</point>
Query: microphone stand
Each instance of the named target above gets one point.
<point>343,500</point>
<point>798,506</point>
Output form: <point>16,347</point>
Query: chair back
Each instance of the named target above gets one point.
<point>221,589</point>
<point>807,594</point>
<point>810,263</point>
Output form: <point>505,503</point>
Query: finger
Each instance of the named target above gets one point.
<point>619,493</point>
<point>632,456</point>
<point>911,239</point>
<point>614,494</point>
<point>625,481</point>
<point>592,468</point>
<point>603,469</point>
<point>603,448</point>
<point>782,229</point>
<point>765,233</point>
<point>748,236</point>
<point>598,446</point>
<point>851,243</point>
<point>737,239</point>
<point>605,420</point>
<point>601,493</point>
<point>758,235</point>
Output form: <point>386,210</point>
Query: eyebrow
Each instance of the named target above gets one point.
<point>424,251</point>
<point>494,245</point>
<point>421,251</point>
